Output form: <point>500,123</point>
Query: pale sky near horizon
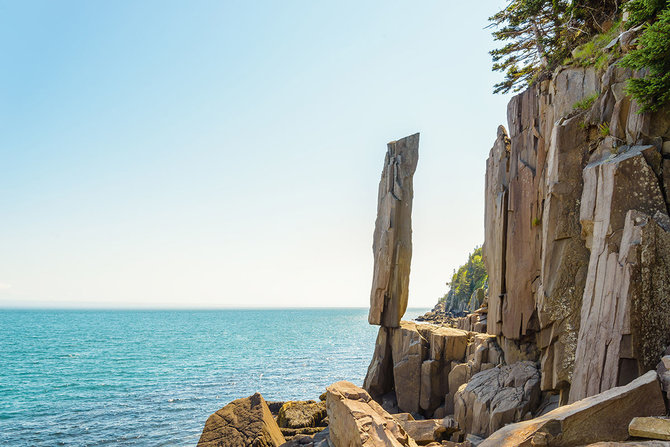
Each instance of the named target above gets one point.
<point>227,153</point>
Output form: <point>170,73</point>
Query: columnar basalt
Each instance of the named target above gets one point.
<point>412,362</point>
<point>566,288</point>
<point>392,243</point>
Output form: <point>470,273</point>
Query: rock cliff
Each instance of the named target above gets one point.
<point>570,345</point>
<point>577,251</point>
<point>576,224</point>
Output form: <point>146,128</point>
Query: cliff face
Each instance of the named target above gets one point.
<point>576,233</point>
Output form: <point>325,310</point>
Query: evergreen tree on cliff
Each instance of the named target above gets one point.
<point>465,281</point>
<point>653,54</point>
<point>539,34</point>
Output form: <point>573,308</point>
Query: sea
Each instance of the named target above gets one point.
<point>151,378</point>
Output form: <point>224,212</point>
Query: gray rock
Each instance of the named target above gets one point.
<point>392,243</point>
<point>496,397</point>
<point>603,417</point>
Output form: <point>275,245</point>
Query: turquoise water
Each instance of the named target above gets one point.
<point>110,378</point>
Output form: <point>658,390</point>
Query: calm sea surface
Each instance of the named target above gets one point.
<point>108,378</point>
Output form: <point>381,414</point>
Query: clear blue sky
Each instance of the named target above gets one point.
<point>227,153</point>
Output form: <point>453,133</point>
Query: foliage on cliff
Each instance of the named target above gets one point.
<point>539,35</point>
<point>653,55</point>
<point>642,11</point>
<point>464,281</point>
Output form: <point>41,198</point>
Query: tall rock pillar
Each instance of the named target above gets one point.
<point>392,244</point>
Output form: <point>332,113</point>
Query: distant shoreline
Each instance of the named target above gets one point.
<point>180,309</point>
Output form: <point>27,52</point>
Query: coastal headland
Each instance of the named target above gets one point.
<point>568,344</point>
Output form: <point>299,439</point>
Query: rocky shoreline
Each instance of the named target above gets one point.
<point>570,346</point>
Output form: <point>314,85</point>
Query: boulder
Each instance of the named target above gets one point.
<point>274,406</point>
<point>301,414</point>
<point>243,422</point>
<point>456,444</point>
<point>603,417</point>
<point>358,421</point>
<point>320,439</point>
<point>473,440</point>
<point>650,427</point>
<point>426,431</point>
<point>663,370</point>
<point>482,353</point>
<point>403,417</point>
<point>631,444</point>
<point>300,433</point>
<point>497,396</point>
<point>392,242</point>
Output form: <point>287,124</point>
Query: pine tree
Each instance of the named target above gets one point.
<point>539,35</point>
<point>531,29</point>
<point>653,55</point>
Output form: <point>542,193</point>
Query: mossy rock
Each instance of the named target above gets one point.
<point>301,414</point>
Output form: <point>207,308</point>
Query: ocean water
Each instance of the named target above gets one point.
<point>151,378</point>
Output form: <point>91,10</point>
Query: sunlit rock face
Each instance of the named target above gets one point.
<point>392,243</point>
<point>602,417</point>
<point>358,421</point>
<point>576,233</point>
<point>245,421</point>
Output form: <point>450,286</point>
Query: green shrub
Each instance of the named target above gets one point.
<point>593,52</point>
<point>604,129</point>
<point>468,278</point>
<point>586,103</point>
<point>643,10</point>
<point>653,55</point>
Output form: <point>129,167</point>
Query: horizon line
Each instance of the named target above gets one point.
<point>189,309</point>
